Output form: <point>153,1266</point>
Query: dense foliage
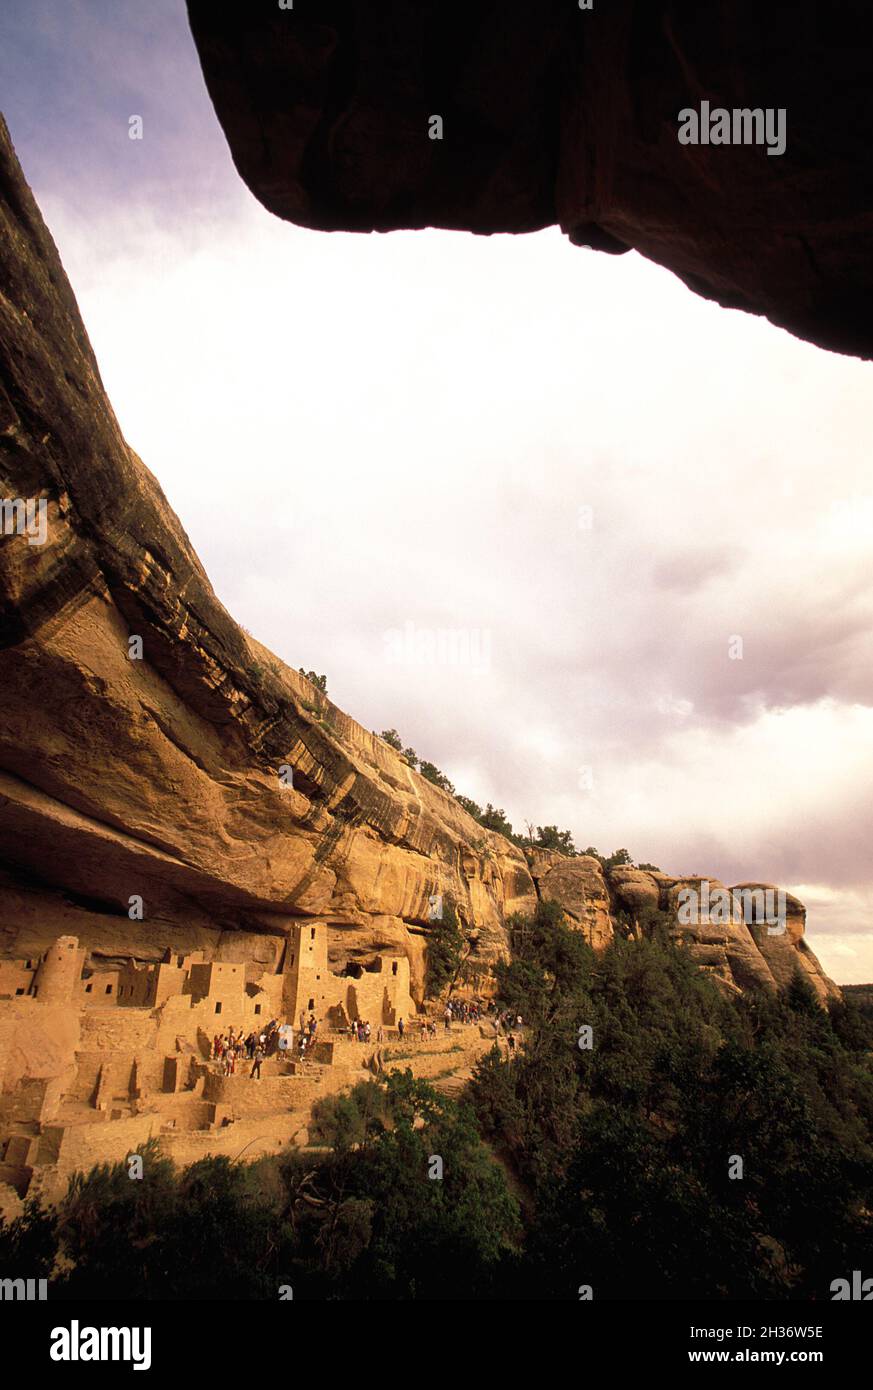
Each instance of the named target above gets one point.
<point>364,1220</point>
<point>626,1148</point>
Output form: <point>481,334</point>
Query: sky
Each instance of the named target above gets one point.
<point>597,548</point>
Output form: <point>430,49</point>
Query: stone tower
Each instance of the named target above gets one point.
<point>59,972</point>
<point>306,969</point>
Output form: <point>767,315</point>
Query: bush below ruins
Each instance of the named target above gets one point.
<point>362,1221</point>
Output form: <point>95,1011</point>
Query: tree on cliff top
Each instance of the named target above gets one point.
<point>320,682</point>
<point>618,858</point>
<point>494,818</point>
<point>431,773</point>
<point>550,837</point>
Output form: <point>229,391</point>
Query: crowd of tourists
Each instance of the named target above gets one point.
<point>507,1020</point>
<point>462,1011</point>
<point>359,1030</point>
<point>306,1040</point>
<point>456,1011</point>
<point>504,1023</point>
<point>233,1048</point>
<point>474,1011</point>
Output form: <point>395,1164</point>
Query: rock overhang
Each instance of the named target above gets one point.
<point>556,114</point>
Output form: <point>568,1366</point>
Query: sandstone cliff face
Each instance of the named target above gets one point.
<point>166,779</point>
<point>160,778</point>
<point>552,114</point>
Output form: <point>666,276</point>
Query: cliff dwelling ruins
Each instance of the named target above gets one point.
<point>96,1061</point>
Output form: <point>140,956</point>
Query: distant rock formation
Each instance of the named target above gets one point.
<point>740,953</point>
<point>554,114</point>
